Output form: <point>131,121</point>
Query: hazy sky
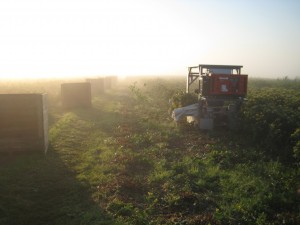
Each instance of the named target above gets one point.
<point>60,38</point>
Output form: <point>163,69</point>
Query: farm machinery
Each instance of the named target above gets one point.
<point>221,91</point>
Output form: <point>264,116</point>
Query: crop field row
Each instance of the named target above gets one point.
<point>125,161</point>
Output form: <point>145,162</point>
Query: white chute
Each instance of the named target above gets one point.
<point>190,110</point>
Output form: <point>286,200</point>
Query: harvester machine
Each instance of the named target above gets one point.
<point>221,91</point>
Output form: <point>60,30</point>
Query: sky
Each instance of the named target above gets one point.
<point>65,38</point>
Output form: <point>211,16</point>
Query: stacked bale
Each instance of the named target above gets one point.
<point>24,122</point>
<point>76,95</point>
<point>97,85</point>
<point>110,82</point>
<point>107,83</point>
<point>114,81</point>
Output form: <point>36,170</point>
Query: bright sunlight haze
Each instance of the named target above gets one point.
<point>64,38</point>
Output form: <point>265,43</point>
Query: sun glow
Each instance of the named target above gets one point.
<point>89,38</point>
<point>75,38</point>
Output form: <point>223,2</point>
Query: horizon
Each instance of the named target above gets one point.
<point>154,76</point>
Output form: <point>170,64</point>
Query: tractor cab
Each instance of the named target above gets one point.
<point>222,90</point>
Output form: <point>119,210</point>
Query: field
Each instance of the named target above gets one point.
<point>125,161</point>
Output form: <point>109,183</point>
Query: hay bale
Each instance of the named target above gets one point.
<point>114,81</point>
<point>24,122</point>
<point>76,95</point>
<point>110,82</point>
<point>107,83</point>
<point>97,85</point>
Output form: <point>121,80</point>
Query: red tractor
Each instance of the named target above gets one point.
<point>222,90</point>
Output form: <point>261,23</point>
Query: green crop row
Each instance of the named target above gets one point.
<point>124,161</point>
<point>271,120</point>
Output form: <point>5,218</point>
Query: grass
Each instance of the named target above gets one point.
<point>125,162</point>
<point>38,189</point>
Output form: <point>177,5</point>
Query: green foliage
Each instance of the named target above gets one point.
<point>181,99</point>
<point>123,162</point>
<point>252,193</point>
<point>270,117</point>
<point>42,190</point>
<point>119,208</point>
<point>137,93</point>
<point>296,142</point>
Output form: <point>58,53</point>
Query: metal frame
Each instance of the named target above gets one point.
<point>203,69</point>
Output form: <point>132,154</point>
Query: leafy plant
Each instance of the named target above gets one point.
<point>269,119</point>
<point>181,99</point>
<point>137,93</point>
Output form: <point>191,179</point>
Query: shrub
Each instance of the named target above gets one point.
<point>181,99</point>
<point>269,119</point>
<point>296,140</point>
